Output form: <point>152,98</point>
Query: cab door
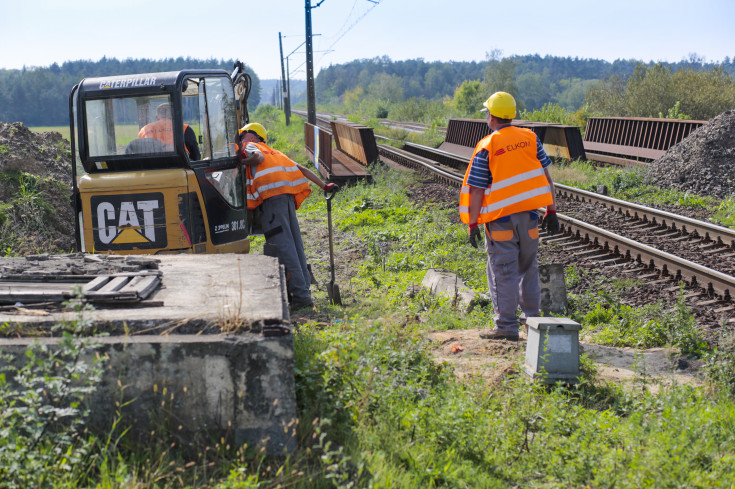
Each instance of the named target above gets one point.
<point>217,174</point>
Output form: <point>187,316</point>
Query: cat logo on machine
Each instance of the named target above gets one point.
<point>123,222</point>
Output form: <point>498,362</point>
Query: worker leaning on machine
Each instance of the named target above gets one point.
<point>277,186</point>
<point>162,129</point>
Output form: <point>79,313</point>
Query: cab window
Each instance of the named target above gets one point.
<point>217,111</point>
<point>129,126</point>
<point>228,183</point>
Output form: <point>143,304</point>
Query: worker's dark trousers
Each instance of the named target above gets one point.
<point>281,228</point>
<point>511,243</point>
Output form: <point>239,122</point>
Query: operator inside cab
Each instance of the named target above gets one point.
<point>162,130</point>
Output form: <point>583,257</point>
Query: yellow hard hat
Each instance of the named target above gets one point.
<point>256,128</point>
<point>501,105</point>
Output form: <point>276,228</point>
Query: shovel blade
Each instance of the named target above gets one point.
<point>333,293</point>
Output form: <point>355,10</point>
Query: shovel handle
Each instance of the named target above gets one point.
<point>329,227</point>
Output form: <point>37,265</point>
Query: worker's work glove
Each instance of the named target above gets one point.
<point>242,156</point>
<point>550,222</point>
<point>331,188</point>
<point>246,154</point>
<point>474,234</point>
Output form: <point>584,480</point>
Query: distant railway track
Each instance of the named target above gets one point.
<point>410,126</point>
<point>322,120</point>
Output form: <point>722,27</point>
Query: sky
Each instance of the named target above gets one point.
<point>43,32</point>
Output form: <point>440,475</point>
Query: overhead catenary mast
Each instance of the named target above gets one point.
<point>310,95</point>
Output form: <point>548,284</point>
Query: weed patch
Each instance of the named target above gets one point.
<point>42,437</point>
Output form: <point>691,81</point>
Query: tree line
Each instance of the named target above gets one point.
<point>416,89</point>
<point>39,96</point>
<point>433,89</point>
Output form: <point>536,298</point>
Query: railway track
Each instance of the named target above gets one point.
<point>322,120</point>
<point>658,247</point>
<point>417,127</point>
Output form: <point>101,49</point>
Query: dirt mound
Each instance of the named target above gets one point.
<point>35,185</point>
<point>46,154</point>
<point>703,163</point>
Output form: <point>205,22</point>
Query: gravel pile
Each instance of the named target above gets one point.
<point>703,163</point>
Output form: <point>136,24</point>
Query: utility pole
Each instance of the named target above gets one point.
<point>288,89</point>
<point>279,100</point>
<point>286,103</point>
<point>310,96</point>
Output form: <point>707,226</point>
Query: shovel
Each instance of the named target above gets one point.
<point>332,288</point>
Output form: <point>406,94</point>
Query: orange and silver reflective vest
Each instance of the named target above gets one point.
<point>519,181</point>
<point>162,130</point>
<point>276,175</point>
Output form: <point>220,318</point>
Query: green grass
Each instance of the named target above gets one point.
<point>125,133</point>
<point>725,213</point>
<point>64,130</point>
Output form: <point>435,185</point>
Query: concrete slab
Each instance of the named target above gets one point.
<point>209,355</point>
<point>448,284</point>
<point>197,291</point>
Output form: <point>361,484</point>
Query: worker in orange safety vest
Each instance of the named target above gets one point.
<point>277,186</point>
<point>506,182</point>
<point>162,129</point>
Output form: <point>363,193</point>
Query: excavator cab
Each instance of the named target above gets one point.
<point>155,168</point>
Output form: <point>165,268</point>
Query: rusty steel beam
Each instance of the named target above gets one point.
<point>633,140</point>
<point>559,141</point>
<point>356,141</point>
<point>324,143</point>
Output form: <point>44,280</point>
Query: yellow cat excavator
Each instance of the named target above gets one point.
<point>154,162</point>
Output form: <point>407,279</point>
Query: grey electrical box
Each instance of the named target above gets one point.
<point>552,349</point>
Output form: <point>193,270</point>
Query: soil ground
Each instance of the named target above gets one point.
<point>492,360</point>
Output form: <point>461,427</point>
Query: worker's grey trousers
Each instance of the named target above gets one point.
<point>281,228</point>
<point>511,244</point>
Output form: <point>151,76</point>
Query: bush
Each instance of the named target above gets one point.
<point>42,414</point>
<point>656,90</point>
<point>720,365</point>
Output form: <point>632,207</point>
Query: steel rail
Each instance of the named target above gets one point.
<point>453,160</point>
<point>415,126</point>
<point>686,225</point>
<point>714,282</point>
<point>419,163</point>
<point>321,121</point>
